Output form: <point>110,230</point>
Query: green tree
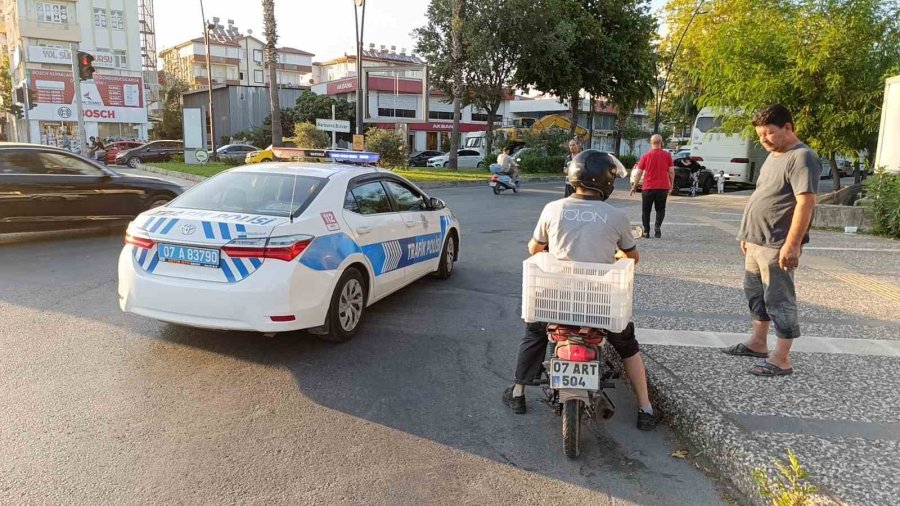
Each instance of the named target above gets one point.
<point>306,135</point>
<point>270,30</point>
<point>311,106</point>
<point>389,144</point>
<point>631,133</point>
<point>745,54</point>
<point>602,47</point>
<point>172,124</point>
<point>492,38</point>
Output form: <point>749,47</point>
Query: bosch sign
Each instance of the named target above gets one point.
<point>99,113</point>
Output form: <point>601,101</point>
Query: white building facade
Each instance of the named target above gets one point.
<point>40,39</point>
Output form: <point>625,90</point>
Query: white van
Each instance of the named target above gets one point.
<point>740,159</point>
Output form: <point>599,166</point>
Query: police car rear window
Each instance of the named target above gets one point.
<point>253,193</point>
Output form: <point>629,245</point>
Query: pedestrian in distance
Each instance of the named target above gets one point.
<point>574,149</point>
<point>658,174</point>
<point>774,228</point>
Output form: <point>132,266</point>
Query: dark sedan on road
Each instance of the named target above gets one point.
<point>420,159</point>
<point>156,151</point>
<point>45,188</point>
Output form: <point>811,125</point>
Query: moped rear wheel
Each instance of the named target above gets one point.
<point>571,428</point>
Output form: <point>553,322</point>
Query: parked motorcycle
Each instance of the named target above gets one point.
<point>501,182</point>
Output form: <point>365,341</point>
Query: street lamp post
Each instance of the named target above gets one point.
<point>662,90</point>
<point>360,27</point>
<point>209,81</point>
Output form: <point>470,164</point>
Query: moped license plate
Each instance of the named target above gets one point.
<point>577,375</point>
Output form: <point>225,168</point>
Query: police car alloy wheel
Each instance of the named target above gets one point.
<point>347,307</point>
<point>448,257</point>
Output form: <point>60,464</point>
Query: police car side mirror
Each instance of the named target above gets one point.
<point>637,231</point>
<point>436,203</point>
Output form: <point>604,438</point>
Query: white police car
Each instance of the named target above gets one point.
<point>284,246</point>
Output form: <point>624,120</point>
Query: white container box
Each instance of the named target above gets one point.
<point>577,293</point>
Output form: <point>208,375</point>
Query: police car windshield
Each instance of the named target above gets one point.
<point>252,193</point>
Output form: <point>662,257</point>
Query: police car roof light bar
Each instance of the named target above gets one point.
<point>361,157</point>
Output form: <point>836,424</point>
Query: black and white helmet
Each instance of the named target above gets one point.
<point>595,170</point>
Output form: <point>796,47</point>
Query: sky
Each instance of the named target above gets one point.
<point>322,27</point>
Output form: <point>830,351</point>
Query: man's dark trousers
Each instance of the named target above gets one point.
<point>651,199</point>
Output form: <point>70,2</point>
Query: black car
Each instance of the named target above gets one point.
<point>156,151</point>
<point>44,188</point>
<point>420,159</point>
<point>684,167</point>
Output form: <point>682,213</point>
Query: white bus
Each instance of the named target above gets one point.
<point>738,158</point>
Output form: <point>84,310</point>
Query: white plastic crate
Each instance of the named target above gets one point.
<point>577,293</point>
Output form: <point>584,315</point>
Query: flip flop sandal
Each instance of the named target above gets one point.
<point>765,369</point>
<point>739,350</point>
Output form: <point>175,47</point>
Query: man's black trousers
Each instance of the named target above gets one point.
<point>651,199</point>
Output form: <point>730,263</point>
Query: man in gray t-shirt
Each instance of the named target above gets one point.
<point>773,231</point>
<point>583,229</point>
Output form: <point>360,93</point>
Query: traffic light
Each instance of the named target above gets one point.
<point>85,67</point>
<point>32,98</point>
<point>16,110</point>
<point>20,94</point>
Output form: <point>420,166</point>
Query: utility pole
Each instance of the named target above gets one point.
<point>79,113</point>
<point>333,132</point>
<point>209,79</point>
<point>662,90</point>
<point>360,27</point>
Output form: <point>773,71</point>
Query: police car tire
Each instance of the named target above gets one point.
<point>445,269</point>
<point>336,334</point>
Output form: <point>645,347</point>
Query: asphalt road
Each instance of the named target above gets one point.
<point>100,406</point>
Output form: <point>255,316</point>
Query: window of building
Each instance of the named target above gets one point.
<point>99,18</point>
<point>258,56</point>
<point>396,113</point>
<point>440,115</point>
<point>52,13</point>
<point>482,116</point>
<point>257,76</point>
<point>241,74</point>
<point>117,20</point>
<point>121,59</point>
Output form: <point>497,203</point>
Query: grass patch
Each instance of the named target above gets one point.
<point>420,175</point>
<point>207,170</point>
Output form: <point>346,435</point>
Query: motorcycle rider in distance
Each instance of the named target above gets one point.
<point>508,165</point>
<point>584,228</point>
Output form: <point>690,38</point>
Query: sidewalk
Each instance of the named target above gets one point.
<point>839,412</point>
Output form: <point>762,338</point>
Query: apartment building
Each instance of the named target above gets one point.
<point>40,37</point>
<point>235,60</point>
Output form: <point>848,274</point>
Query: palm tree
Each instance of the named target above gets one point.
<point>272,60</point>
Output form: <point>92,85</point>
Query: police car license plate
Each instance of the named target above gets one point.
<point>577,375</point>
<point>187,255</point>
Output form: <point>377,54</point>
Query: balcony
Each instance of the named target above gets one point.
<point>69,32</point>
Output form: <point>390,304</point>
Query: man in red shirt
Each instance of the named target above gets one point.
<point>659,177</point>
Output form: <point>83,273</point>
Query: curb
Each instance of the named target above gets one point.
<point>425,185</point>
<point>171,173</point>
<point>732,451</point>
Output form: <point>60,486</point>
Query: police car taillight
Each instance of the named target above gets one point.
<point>284,248</point>
<point>135,239</point>
<point>287,248</point>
